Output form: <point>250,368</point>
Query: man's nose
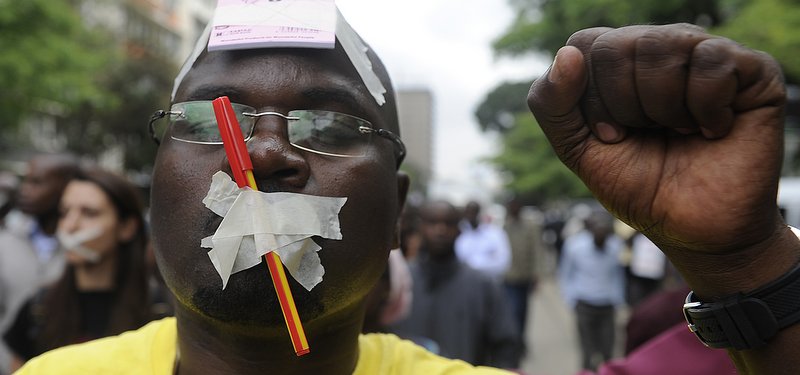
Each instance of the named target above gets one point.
<point>277,165</point>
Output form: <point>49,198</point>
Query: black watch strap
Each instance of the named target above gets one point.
<point>746,321</point>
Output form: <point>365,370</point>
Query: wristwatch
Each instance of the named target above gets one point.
<point>746,320</point>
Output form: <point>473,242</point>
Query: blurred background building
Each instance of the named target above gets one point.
<point>415,110</point>
<point>161,28</point>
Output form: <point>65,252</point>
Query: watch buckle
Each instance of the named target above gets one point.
<point>744,322</point>
<point>690,323</point>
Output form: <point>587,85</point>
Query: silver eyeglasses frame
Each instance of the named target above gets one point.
<point>400,148</point>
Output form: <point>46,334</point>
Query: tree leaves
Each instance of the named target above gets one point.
<point>545,25</point>
<point>531,168</point>
<point>48,57</point>
<point>57,70</point>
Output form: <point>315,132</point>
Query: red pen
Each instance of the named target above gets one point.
<point>242,169</point>
<point>233,140</point>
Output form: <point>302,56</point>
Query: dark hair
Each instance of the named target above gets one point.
<point>60,309</point>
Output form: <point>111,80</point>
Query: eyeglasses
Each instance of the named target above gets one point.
<point>321,132</point>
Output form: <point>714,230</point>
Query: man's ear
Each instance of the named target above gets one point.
<point>403,183</point>
<point>127,229</point>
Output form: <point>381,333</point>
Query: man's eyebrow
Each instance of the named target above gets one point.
<point>317,95</point>
<point>333,95</point>
<point>212,92</point>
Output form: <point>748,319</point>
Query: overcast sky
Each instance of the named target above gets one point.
<point>445,46</point>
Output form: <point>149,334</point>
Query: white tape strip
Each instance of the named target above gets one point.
<point>187,65</point>
<point>74,243</point>
<point>357,52</point>
<point>255,223</point>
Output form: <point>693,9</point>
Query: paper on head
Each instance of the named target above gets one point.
<point>261,23</point>
<point>73,242</point>
<point>255,223</point>
<point>257,10</point>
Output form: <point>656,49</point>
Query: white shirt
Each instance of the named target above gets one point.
<point>590,275</point>
<point>485,249</point>
<point>647,260</point>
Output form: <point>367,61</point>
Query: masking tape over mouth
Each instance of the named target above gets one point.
<point>255,223</point>
<point>74,243</point>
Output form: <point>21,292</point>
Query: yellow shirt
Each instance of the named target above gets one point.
<point>151,350</point>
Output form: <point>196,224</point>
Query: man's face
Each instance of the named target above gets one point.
<point>439,229</point>
<point>41,188</point>
<point>601,225</point>
<point>277,80</point>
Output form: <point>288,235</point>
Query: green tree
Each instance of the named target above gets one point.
<point>501,106</point>
<point>56,68</point>
<point>141,85</point>
<point>531,169</point>
<point>770,26</point>
<point>50,61</point>
<point>543,26</point>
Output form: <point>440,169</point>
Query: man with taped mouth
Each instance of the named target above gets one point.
<point>319,124</point>
<point>296,107</point>
<point>245,317</point>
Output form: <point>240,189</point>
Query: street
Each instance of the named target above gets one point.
<point>551,335</point>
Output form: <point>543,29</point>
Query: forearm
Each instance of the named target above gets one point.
<point>715,276</point>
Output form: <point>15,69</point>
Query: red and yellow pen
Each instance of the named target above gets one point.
<point>242,169</point>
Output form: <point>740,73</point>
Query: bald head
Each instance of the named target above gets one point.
<point>373,73</point>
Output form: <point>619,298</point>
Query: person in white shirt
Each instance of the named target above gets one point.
<point>482,245</point>
<point>592,282</point>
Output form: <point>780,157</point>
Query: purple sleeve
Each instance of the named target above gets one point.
<point>676,351</point>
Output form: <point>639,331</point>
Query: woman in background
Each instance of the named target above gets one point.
<point>103,290</point>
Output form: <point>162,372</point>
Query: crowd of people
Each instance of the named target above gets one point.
<point>74,263</point>
<point>688,153</point>
<point>460,285</point>
<point>77,268</point>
